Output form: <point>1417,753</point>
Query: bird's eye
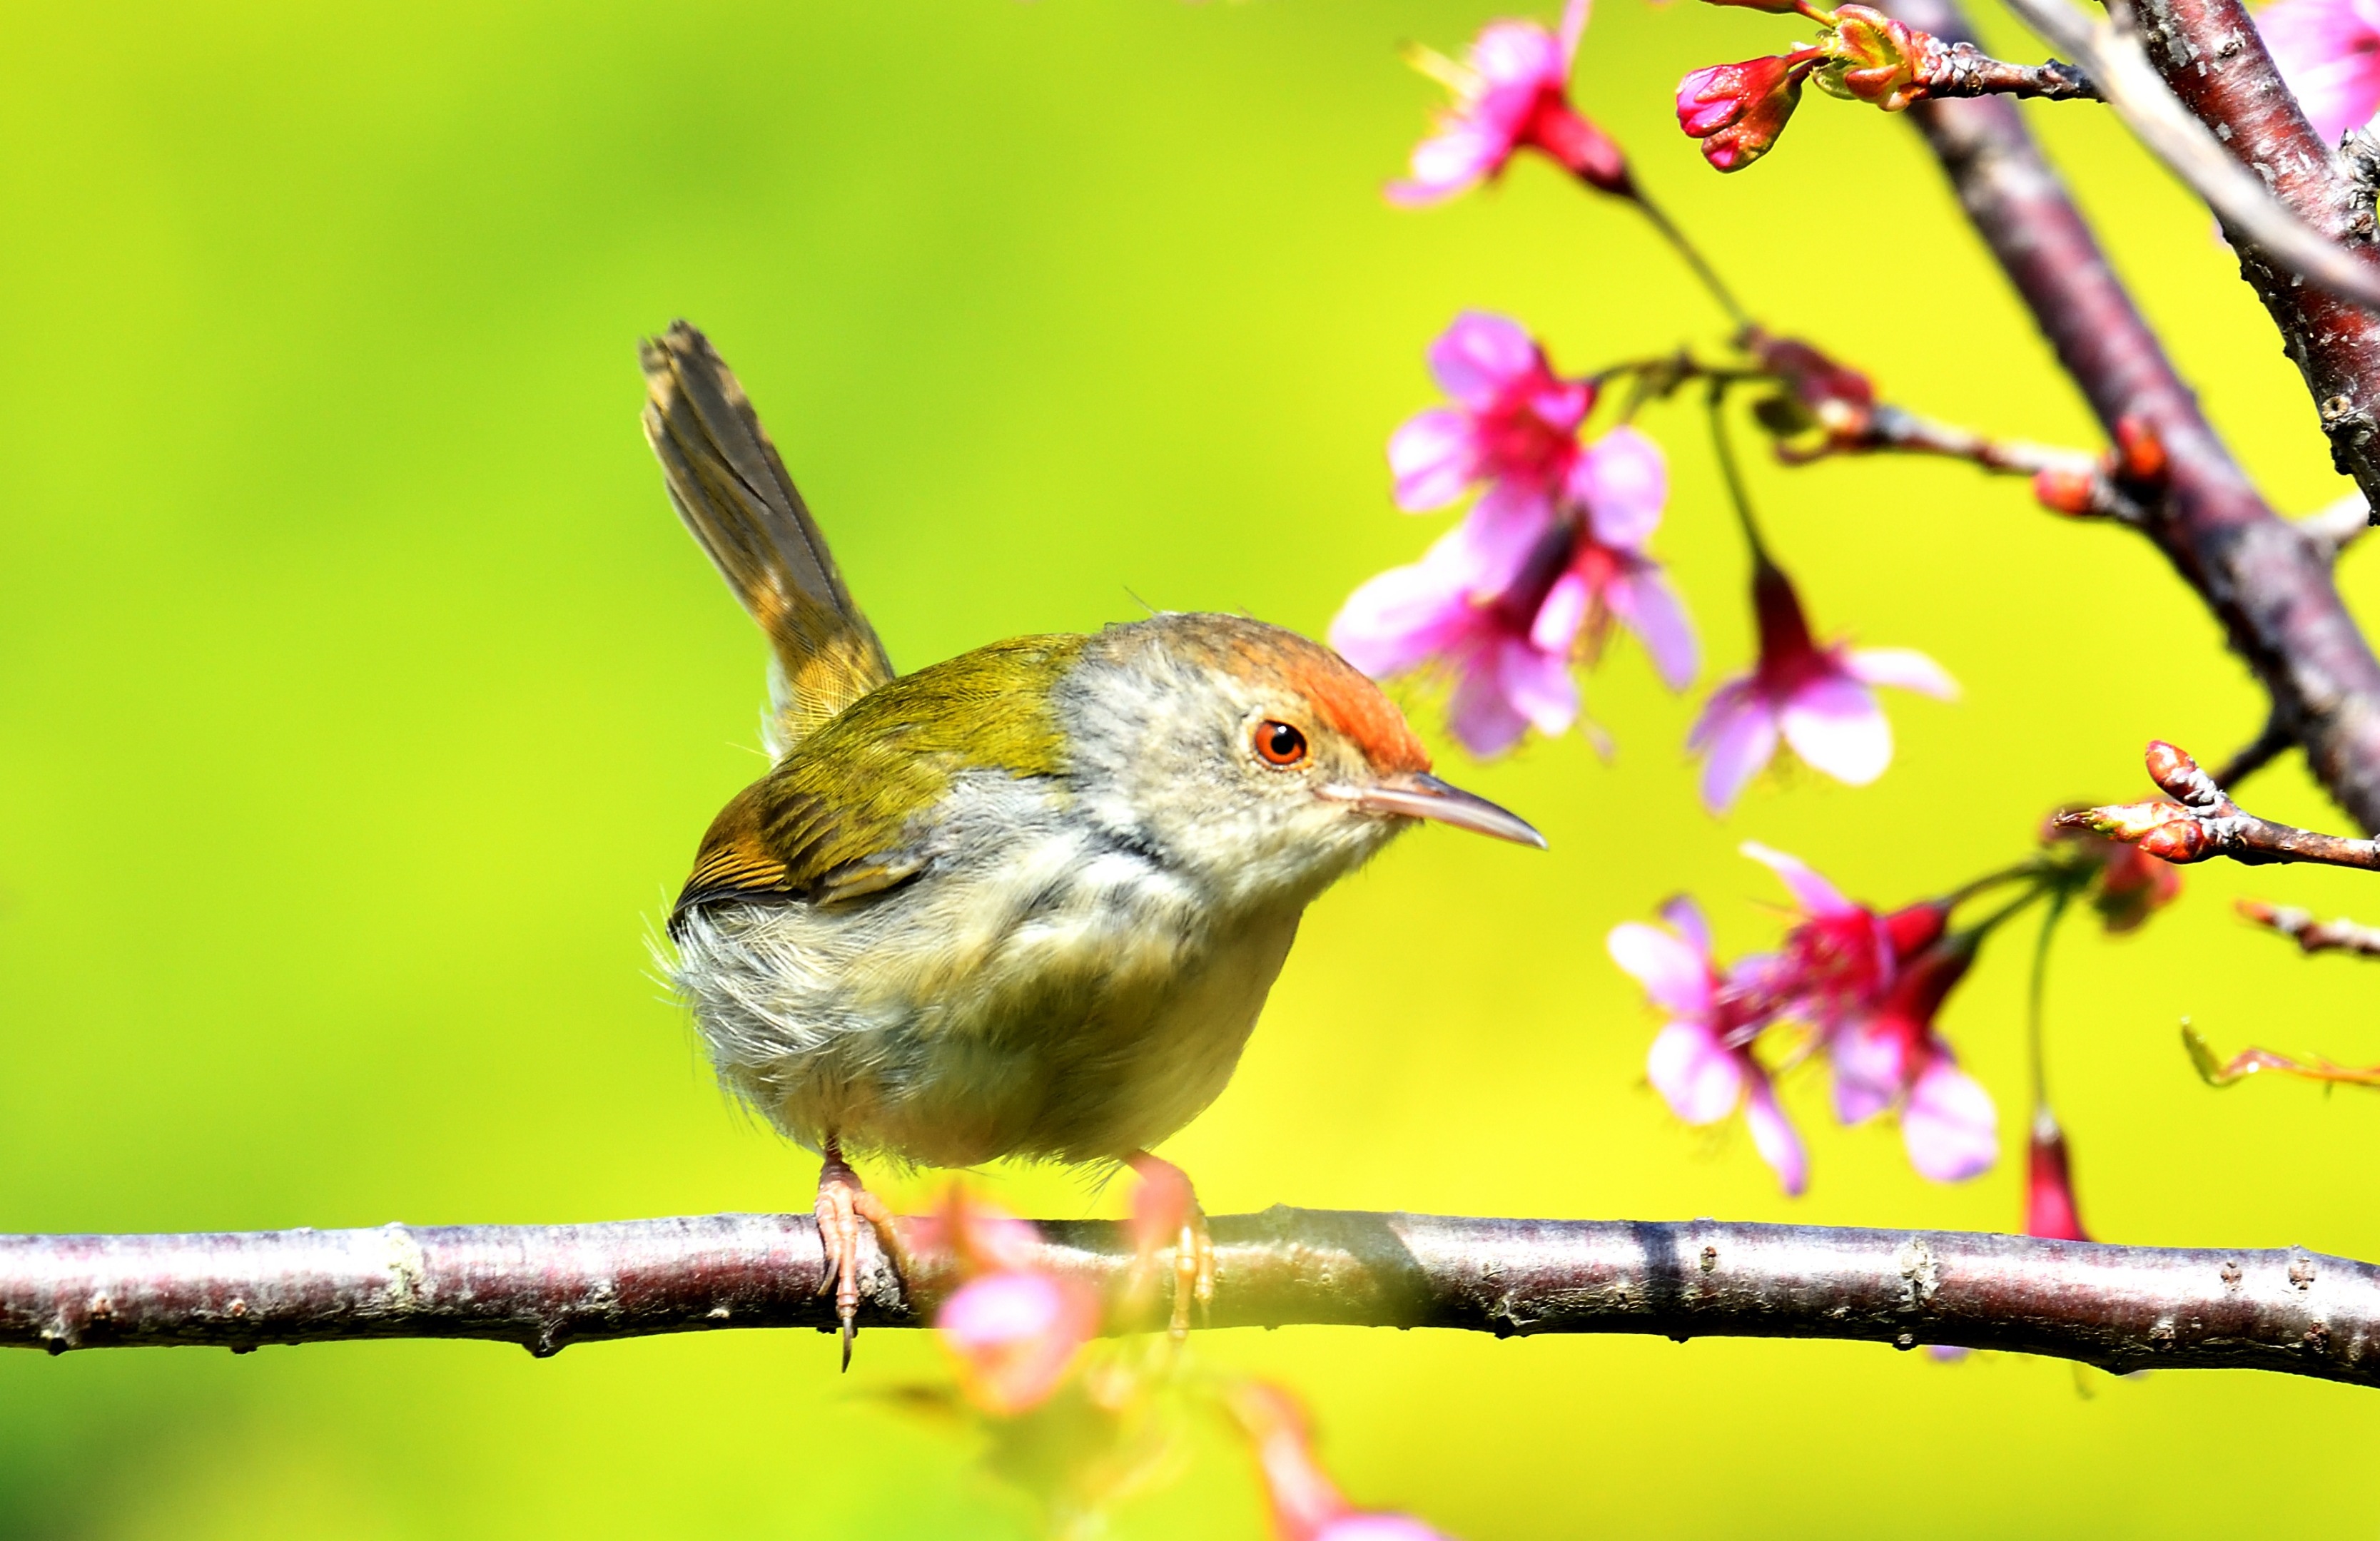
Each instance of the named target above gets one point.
<point>1279,744</point>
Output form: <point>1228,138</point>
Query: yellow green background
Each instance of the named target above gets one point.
<point>360,703</point>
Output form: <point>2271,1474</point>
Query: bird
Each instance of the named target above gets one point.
<point>1024,902</point>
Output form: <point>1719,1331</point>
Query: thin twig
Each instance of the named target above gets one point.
<point>2311,935</point>
<point>1962,69</point>
<point>2205,822</point>
<point>2335,526</point>
<point>547,1286</point>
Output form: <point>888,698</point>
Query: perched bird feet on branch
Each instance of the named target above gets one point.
<point>843,1202</point>
<point>1165,1212</point>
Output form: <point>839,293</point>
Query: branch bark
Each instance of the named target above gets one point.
<point>2266,583</point>
<point>2210,53</point>
<point>547,1286</point>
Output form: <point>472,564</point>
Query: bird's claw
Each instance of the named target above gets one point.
<point>1165,1206</point>
<point>843,1202</point>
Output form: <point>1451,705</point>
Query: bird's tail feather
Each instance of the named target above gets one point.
<point>731,488</point>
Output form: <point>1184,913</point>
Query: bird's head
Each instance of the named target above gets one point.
<point>1262,761</point>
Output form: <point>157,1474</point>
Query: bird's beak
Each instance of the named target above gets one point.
<point>1412,794</point>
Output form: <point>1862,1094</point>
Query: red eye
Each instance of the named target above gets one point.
<point>1280,743</point>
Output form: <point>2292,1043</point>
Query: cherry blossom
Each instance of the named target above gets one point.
<point>1702,1061</point>
<point>1012,1328</point>
<point>1510,93</point>
<point>1512,428</point>
<point>1305,1504</point>
<point>1818,699</point>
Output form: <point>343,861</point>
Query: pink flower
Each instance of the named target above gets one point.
<point>1305,1504</point>
<point>2049,1184</point>
<point>1015,1333</point>
<point>2329,51</point>
<point>1702,1061</point>
<point>1816,699</point>
<point>1514,426</point>
<point>1843,956</point>
<point>1445,613</point>
<point>1737,110</point>
<point>1894,1054</point>
<point>1510,94</point>
<point>1013,1327</point>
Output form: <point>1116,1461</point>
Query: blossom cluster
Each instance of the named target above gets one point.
<point>1084,1428</point>
<point>1864,985</point>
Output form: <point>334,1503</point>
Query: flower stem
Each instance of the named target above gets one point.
<point>2034,991</point>
<point>1694,259</point>
<point>1734,475</point>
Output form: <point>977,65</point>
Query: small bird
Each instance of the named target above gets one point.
<point>1024,902</point>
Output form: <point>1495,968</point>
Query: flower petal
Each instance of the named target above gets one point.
<point>1486,723</point>
<point>1556,628</point>
<point>1435,457</point>
<point>1480,355</point>
<point>1625,483</point>
<point>1685,917</point>
<point>1813,893</point>
<point>1377,1527</point>
<point>1868,1067</point>
<point>1518,53</point>
<point>1950,1127</point>
<point>1774,1136</point>
<point>1700,1079</point>
<point>1463,152</point>
<point>1834,723</point>
<point>1403,618</point>
<point>1740,734</point>
<point>1645,603</point>
<point>1675,974</point>
<point>1904,668</point>
<point>1539,686</point>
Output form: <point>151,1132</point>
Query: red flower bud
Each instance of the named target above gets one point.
<point>2139,452</point>
<point>2182,841</point>
<point>2049,1207</point>
<point>1737,110</point>
<point>2171,769</point>
<point>1915,928</point>
<point>2065,489</point>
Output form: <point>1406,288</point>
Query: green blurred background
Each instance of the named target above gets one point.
<point>360,702</point>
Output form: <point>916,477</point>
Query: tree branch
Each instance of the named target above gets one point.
<point>2268,586</point>
<point>546,1286</point>
<point>2313,936</point>
<point>2210,53</point>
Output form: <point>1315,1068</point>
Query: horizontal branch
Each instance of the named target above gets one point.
<point>547,1286</point>
<point>2205,822</point>
<point>1960,68</point>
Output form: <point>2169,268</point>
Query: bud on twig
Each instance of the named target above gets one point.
<point>2205,822</point>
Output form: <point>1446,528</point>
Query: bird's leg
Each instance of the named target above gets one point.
<point>843,1202</point>
<point>1165,1209</point>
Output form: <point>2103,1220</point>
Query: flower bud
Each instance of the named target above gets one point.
<point>1873,58</point>
<point>2049,1209</point>
<point>2171,769</point>
<point>2128,821</point>
<point>2183,840</point>
<point>2140,453</point>
<point>1737,110</point>
<point>2066,490</point>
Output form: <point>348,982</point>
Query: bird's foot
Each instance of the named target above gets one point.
<point>1165,1210</point>
<point>843,1202</point>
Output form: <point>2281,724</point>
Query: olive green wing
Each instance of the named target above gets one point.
<point>728,484</point>
<point>850,811</point>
